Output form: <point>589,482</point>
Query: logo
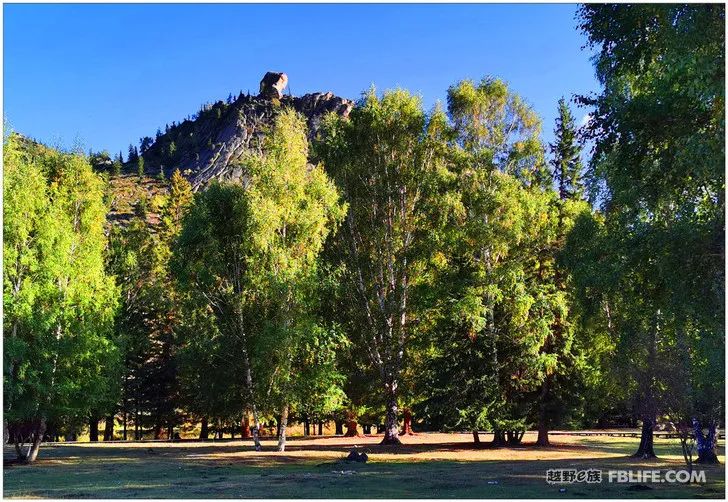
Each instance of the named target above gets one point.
<point>570,476</point>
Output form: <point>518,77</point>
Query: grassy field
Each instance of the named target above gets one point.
<point>428,466</point>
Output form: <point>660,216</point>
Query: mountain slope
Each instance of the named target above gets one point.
<point>207,146</point>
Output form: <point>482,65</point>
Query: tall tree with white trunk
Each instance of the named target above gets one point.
<point>387,161</point>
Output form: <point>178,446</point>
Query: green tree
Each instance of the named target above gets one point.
<point>171,151</point>
<point>248,257</point>
<point>59,302</point>
<point>101,161</point>
<point>116,167</point>
<point>144,144</point>
<point>497,127</point>
<point>133,154</point>
<point>657,169</point>
<point>496,300</point>
<point>140,167</point>
<point>152,312</point>
<point>296,207</point>
<point>567,372</point>
<point>386,161</point>
<point>178,202</point>
<point>566,155</point>
<point>211,263</point>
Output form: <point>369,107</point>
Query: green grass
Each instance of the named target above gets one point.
<point>314,470</point>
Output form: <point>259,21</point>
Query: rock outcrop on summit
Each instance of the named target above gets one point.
<point>272,85</point>
<point>209,145</point>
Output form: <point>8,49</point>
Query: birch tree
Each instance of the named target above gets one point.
<point>59,301</point>
<point>387,161</point>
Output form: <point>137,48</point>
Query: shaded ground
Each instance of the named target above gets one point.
<point>428,466</point>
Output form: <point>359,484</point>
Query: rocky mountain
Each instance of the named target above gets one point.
<point>207,145</point>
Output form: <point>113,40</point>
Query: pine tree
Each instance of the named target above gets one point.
<point>133,154</point>
<point>178,201</point>
<point>566,151</point>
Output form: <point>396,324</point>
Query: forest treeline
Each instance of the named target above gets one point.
<point>443,269</point>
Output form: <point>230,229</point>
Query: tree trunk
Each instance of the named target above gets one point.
<point>249,385</point>
<point>514,437</point>
<point>543,434</point>
<point>351,425</point>
<point>29,456</point>
<point>407,427</point>
<point>109,428</point>
<point>306,427</point>
<point>391,427</point>
<point>282,424</point>
<point>367,428</point>
<point>339,427</point>
<point>321,429</point>
<point>543,428</point>
<point>204,429</point>
<point>476,437</point>
<point>157,431</point>
<point>499,437</point>
<point>254,409</point>
<point>125,437</point>
<point>706,444</point>
<point>256,429</point>
<point>93,429</point>
<point>245,427</point>
<point>646,449</point>
<point>137,432</point>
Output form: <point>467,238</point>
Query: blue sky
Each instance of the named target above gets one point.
<point>104,75</point>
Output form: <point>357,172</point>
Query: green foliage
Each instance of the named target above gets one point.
<point>654,264</point>
<point>100,162</point>
<point>140,167</point>
<point>144,144</point>
<point>133,155</point>
<point>296,207</point>
<point>178,202</point>
<point>248,258</point>
<point>466,282</point>
<point>60,355</point>
<point>502,349</point>
<point>386,160</point>
<point>566,161</point>
<point>152,311</point>
<point>141,209</point>
<point>498,127</point>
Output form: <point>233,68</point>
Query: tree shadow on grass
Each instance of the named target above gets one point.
<point>315,469</point>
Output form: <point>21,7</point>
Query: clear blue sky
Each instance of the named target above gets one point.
<point>105,75</point>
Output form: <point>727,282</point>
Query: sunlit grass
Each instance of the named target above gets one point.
<point>428,466</point>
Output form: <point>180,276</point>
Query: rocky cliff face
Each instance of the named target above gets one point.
<point>207,146</point>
